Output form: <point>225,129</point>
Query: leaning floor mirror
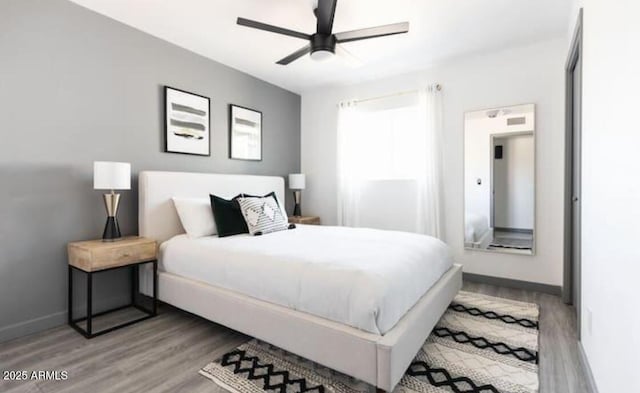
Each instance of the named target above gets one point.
<point>499,179</point>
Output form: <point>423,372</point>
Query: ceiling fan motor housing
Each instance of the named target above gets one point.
<point>323,42</point>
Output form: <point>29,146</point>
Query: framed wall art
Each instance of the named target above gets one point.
<point>245,133</point>
<point>187,122</point>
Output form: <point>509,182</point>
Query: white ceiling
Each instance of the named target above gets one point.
<point>439,30</point>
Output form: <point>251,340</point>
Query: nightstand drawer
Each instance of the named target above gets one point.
<point>308,220</point>
<point>107,257</point>
<point>97,255</point>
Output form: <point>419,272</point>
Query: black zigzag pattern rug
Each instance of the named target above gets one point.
<point>482,344</point>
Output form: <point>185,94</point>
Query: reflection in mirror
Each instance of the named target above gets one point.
<point>499,179</point>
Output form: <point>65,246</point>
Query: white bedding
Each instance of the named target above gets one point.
<point>364,278</point>
<point>475,226</point>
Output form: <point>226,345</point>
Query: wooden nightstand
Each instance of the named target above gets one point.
<point>95,256</point>
<point>308,220</point>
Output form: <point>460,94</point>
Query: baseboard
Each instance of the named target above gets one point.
<point>56,319</point>
<point>510,283</point>
<point>587,368</point>
<point>31,326</point>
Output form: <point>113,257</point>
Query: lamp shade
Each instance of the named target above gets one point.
<point>111,175</point>
<point>296,181</point>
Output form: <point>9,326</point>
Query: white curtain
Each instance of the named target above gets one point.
<point>348,179</point>
<point>392,145</point>
<point>429,215</point>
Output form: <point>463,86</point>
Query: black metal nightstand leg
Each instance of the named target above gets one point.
<point>135,287</point>
<point>134,283</point>
<point>70,299</point>
<point>89,293</point>
<point>155,287</point>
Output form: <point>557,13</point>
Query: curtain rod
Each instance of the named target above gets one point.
<point>437,86</point>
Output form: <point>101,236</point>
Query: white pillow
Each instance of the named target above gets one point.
<point>196,216</point>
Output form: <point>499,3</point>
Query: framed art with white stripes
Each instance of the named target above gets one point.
<point>245,133</point>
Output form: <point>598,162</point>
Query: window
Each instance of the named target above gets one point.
<point>389,163</point>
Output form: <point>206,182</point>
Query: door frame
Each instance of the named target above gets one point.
<point>575,53</point>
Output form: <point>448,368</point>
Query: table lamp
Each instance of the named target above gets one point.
<point>111,176</point>
<point>297,183</point>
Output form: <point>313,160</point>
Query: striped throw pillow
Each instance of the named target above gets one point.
<point>262,215</point>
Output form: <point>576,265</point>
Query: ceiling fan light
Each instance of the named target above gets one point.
<point>321,55</point>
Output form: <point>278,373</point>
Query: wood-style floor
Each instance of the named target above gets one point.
<point>164,354</point>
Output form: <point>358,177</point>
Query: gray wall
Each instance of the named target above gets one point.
<point>76,87</point>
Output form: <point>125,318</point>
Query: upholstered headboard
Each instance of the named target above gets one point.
<point>157,216</point>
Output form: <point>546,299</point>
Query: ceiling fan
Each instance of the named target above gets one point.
<point>324,42</point>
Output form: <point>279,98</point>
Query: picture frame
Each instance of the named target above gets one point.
<point>187,122</point>
<point>245,133</point>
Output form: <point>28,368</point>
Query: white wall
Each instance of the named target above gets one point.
<point>611,193</point>
<point>532,74</point>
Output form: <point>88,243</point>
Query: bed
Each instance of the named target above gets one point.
<point>477,233</point>
<point>335,305</point>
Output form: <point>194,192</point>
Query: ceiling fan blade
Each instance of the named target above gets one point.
<point>348,57</point>
<point>325,13</point>
<point>372,32</point>
<point>274,29</point>
<point>295,55</point>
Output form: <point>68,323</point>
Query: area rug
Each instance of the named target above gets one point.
<point>481,344</point>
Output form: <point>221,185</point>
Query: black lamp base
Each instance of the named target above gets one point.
<point>296,200</point>
<point>111,230</point>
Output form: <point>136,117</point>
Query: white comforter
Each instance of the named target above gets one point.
<point>475,226</point>
<point>364,278</point>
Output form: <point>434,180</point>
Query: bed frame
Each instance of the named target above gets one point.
<point>483,242</point>
<point>380,360</point>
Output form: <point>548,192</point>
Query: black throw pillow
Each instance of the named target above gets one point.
<point>228,216</point>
